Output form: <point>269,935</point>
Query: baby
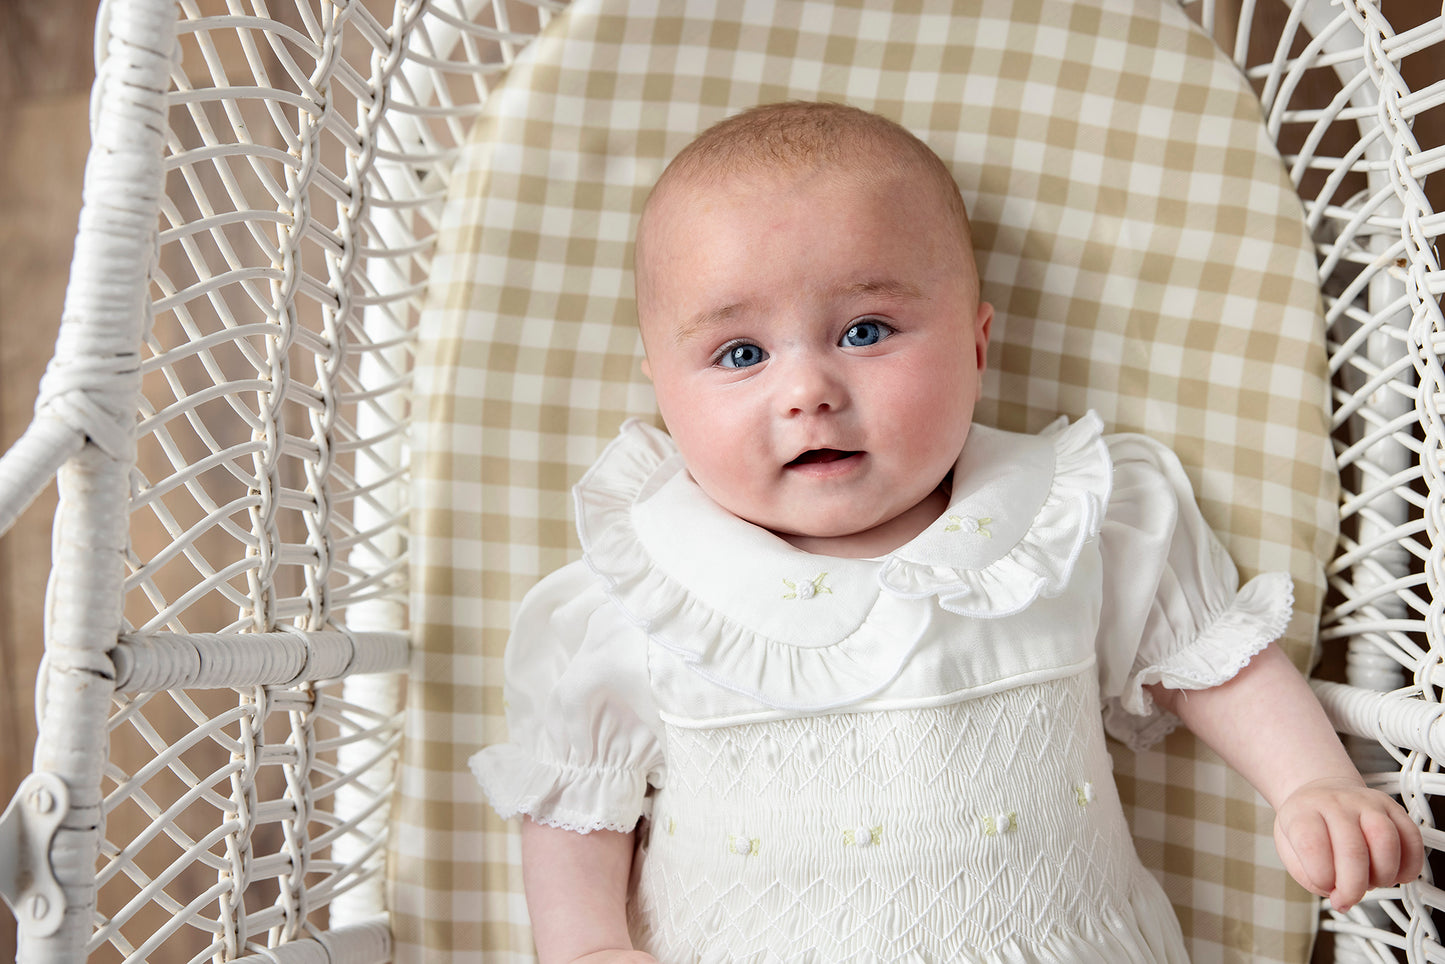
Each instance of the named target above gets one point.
<point>827,683</point>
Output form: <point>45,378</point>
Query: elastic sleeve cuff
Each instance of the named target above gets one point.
<point>580,799</point>
<point>1257,617</point>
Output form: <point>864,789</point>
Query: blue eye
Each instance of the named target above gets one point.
<point>742,356</point>
<point>861,334</point>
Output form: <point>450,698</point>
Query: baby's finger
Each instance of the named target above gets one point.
<point>1304,845</point>
<point>1382,838</point>
<point>1352,862</point>
<point>1292,863</point>
<point>1412,847</point>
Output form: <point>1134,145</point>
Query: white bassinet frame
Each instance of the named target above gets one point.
<point>226,412</point>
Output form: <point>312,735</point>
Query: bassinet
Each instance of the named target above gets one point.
<point>265,477</point>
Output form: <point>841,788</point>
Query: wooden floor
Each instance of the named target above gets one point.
<point>46,67</point>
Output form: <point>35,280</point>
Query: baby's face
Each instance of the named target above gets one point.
<point>815,345</point>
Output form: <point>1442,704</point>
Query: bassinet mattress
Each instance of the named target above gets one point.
<point>1138,236</point>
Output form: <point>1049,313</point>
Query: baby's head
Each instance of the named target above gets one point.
<point>810,313</point>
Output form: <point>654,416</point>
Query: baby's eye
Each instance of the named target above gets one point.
<point>861,334</point>
<point>742,356</point>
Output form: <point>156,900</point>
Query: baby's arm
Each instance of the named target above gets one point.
<point>576,888</point>
<point>1337,837</point>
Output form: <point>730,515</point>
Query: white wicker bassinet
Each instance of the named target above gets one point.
<point>227,412</point>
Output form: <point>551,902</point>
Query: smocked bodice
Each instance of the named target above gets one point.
<point>987,829</point>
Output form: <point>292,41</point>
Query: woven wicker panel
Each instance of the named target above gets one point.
<point>295,174</point>
<point>1138,235</point>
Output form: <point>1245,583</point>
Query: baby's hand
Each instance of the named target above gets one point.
<point>1339,838</point>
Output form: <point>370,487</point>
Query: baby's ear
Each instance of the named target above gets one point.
<point>983,324</point>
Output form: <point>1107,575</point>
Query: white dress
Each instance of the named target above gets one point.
<point>898,759</point>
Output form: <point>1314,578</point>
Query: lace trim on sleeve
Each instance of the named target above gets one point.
<point>1258,616</point>
<point>580,799</point>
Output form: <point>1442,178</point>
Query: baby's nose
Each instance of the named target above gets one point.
<point>813,388</point>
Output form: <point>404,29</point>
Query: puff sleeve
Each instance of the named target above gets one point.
<point>585,734</point>
<point>1173,610</point>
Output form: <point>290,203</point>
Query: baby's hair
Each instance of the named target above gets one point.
<point>801,136</point>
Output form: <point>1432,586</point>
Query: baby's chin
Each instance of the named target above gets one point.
<point>848,542</point>
<point>869,539</point>
<point>805,536</point>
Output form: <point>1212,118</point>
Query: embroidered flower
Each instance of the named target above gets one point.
<point>969,525</point>
<point>742,845</point>
<point>1084,794</point>
<point>998,823</point>
<point>806,588</point>
<point>862,836</point>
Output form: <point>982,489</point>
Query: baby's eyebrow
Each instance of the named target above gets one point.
<point>883,286</point>
<point>708,319</point>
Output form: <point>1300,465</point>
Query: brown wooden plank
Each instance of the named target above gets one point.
<point>46,48</point>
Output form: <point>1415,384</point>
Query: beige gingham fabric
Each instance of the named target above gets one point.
<point>1137,234</point>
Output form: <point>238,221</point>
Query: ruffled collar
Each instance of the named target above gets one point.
<point>797,630</point>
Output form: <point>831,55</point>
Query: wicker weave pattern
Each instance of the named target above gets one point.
<point>266,190</point>
<point>1360,171</point>
<point>305,160</point>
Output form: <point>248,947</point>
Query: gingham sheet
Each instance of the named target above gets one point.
<point>1137,234</point>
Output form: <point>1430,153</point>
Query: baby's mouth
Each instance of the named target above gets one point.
<point>815,456</point>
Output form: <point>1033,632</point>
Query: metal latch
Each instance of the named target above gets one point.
<point>27,880</point>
